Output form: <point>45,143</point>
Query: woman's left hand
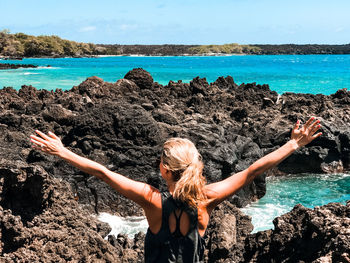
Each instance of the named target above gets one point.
<point>307,133</point>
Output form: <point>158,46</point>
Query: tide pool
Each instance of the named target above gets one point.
<point>284,73</point>
<point>282,194</point>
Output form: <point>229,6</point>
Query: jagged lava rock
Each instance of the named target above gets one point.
<point>321,234</point>
<point>40,221</point>
<point>123,125</point>
<point>140,77</point>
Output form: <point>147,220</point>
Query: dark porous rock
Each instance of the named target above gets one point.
<point>345,148</point>
<point>57,113</point>
<point>103,229</point>
<point>199,85</point>
<point>304,235</point>
<point>16,66</point>
<point>226,233</point>
<point>123,125</point>
<point>140,77</point>
<point>40,221</point>
<point>225,83</point>
<point>92,87</point>
<point>125,86</point>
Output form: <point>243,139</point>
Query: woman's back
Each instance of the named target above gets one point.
<point>177,239</point>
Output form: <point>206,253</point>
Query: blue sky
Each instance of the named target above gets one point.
<point>182,22</point>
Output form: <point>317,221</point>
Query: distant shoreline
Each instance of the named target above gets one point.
<point>142,55</point>
<point>18,46</point>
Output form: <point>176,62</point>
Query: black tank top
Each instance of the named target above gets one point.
<point>167,247</point>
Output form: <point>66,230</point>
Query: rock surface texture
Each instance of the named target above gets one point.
<point>41,222</point>
<point>46,205</point>
<point>304,235</point>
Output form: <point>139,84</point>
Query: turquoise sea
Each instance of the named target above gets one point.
<point>284,73</point>
<point>283,193</point>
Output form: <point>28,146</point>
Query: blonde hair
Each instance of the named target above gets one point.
<point>181,157</point>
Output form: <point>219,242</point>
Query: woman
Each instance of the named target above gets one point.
<point>178,218</point>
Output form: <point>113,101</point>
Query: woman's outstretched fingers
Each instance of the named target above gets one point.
<point>54,136</point>
<point>314,127</point>
<point>306,133</point>
<point>50,143</point>
<point>307,124</point>
<point>316,135</point>
<point>43,135</point>
<point>37,140</point>
<point>297,124</point>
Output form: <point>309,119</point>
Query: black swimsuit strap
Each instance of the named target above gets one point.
<point>177,231</point>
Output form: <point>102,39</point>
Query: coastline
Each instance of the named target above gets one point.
<point>279,71</point>
<point>134,55</point>
<point>5,58</point>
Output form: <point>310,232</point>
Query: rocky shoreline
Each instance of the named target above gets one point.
<point>16,66</point>
<point>45,204</point>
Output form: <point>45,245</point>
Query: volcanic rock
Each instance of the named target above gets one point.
<point>140,77</point>
<point>304,235</point>
<point>122,125</point>
<point>40,221</point>
<point>16,66</point>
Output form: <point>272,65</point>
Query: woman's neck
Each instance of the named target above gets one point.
<point>171,187</point>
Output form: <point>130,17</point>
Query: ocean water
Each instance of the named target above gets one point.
<point>284,73</point>
<point>126,225</point>
<point>282,194</point>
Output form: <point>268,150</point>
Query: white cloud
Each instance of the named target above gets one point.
<point>87,29</point>
<point>127,27</point>
<point>339,29</point>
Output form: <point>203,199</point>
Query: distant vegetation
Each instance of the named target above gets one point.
<point>225,49</point>
<point>171,50</point>
<point>147,50</point>
<point>22,45</point>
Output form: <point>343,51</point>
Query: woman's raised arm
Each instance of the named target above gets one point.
<point>219,191</point>
<point>139,192</point>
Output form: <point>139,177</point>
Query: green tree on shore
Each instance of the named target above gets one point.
<point>22,45</point>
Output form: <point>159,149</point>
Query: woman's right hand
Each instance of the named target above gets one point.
<point>306,134</point>
<point>48,144</point>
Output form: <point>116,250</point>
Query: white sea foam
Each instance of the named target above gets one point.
<point>30,73</point>
<point>127,225</point>
<point>45,67</point>
<point>262,214</point>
